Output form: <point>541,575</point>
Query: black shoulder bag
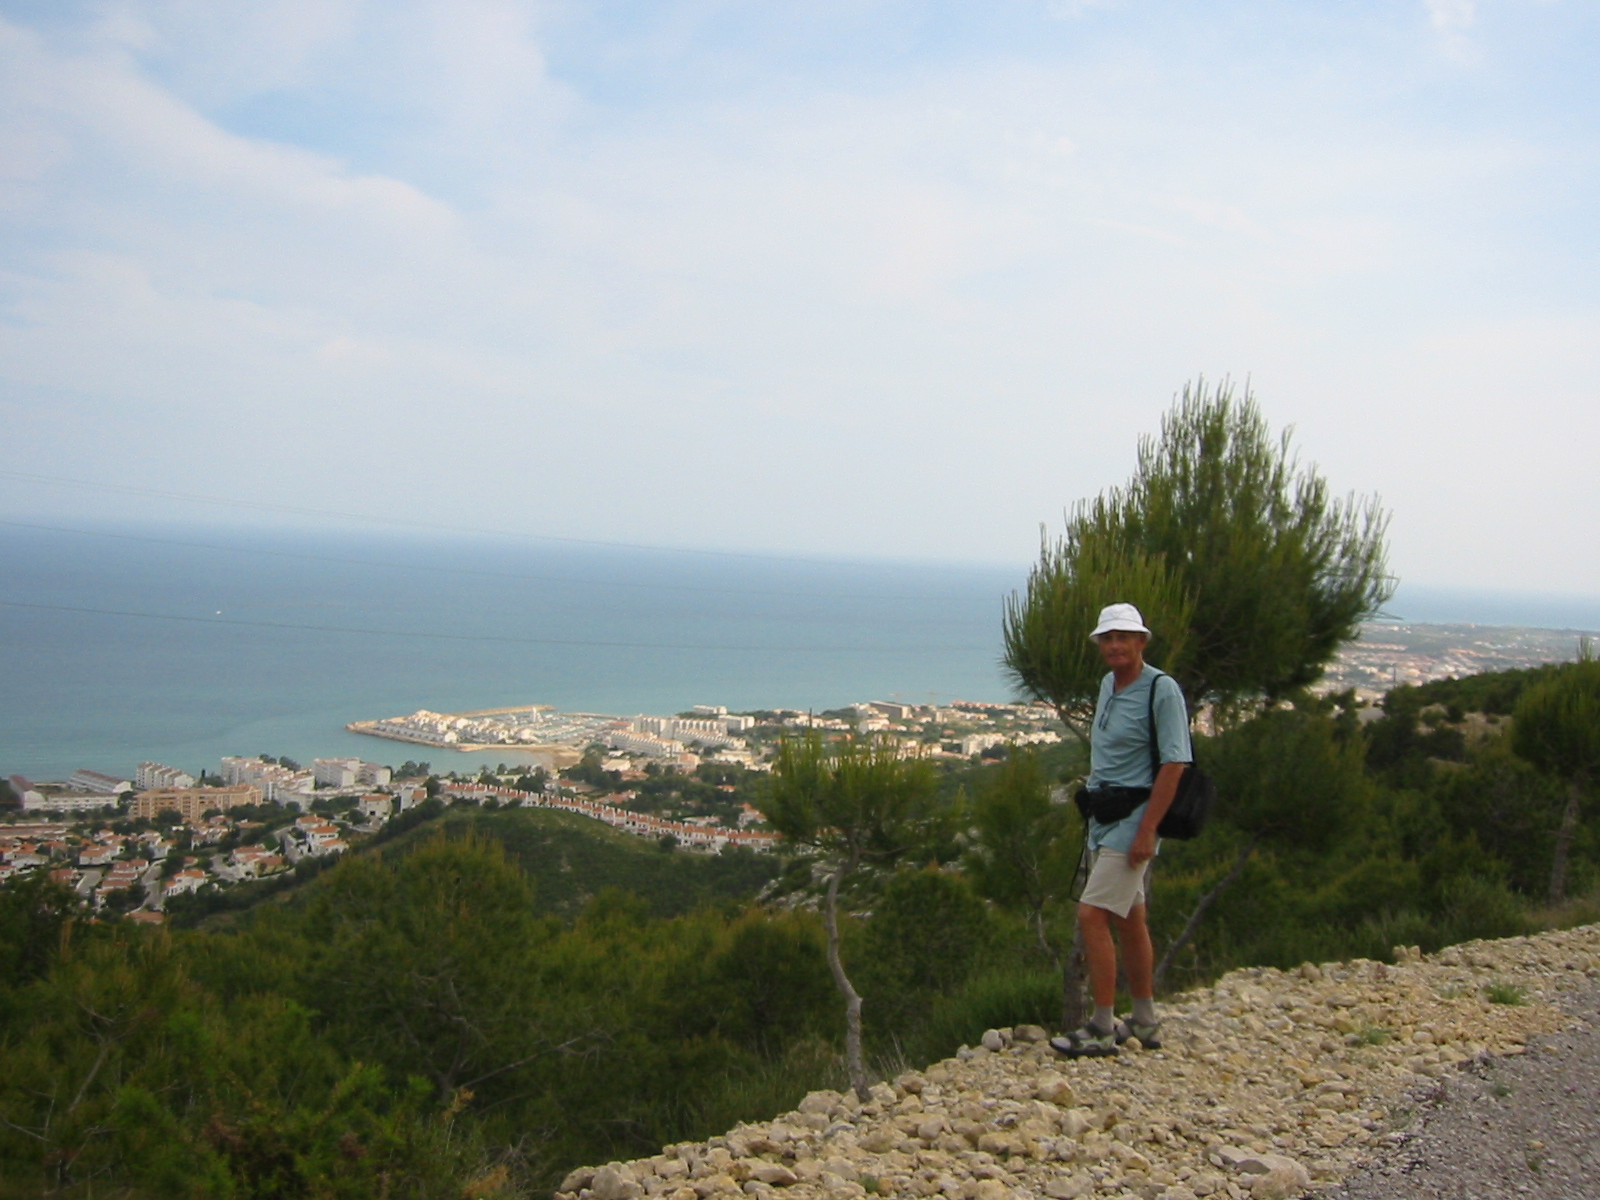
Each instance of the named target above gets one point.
<point>1191,803</point>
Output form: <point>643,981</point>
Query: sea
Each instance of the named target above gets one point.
<point>183,644</point>
<point>180,644</point>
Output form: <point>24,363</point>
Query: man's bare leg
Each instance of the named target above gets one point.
<point>1101,953</point>
<point>1098,1039</point>
<point>1138,956</point>
<point>1138,960</point>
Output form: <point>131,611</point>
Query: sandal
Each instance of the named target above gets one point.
<point>1089,1042</point>
<point>1149,1035</point>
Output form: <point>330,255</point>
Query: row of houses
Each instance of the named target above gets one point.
<point>609,810</point>
<point>34,846</point>
<point>88,791</point>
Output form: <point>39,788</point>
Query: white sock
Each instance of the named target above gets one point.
<point>1103,1018</point>
<point>1144,1010</point>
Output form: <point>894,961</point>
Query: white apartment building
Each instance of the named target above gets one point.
<point>96,784</point>
<point>694,728</point>
<point>278,783</point>
<point>977,743</point>
<point>717,712</point>
<point>241,770</point>
<point>155,775</point>
<point>895,712</point>
<point>335,772</point>
<point>348,772</point>
<point>23,790</point>
<point>643,743</point>
<point>1039,737</point>
<point>660,726</point>
<point>708,731</point>
<point>680,727</point>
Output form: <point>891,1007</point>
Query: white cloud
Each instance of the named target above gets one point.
<point>1452,16</point>
<point>215,53</point>
<point>1453,20</point>
<point>964,285</point>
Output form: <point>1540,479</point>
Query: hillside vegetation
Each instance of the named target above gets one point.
<point>570,858</point>
<point>483,1002</point>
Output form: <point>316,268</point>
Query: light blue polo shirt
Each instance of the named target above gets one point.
<point>1119,745</point>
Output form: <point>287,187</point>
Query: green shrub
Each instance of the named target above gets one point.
<point>1505,993</point>
<point>992,1000</point>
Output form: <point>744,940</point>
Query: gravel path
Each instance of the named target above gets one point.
<point>1526,1125</point>
<point>1271,1084</point>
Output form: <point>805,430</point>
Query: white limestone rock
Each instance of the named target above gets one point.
<point>1070,1187</point>
<point>615,1182</point>
<point>1274,1177</point>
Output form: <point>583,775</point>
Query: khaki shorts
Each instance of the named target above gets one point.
<point>1114,885</point>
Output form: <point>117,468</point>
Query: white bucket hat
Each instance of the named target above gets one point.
<point>1120,616</point>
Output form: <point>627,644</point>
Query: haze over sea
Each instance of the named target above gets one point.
<point>339,626</point>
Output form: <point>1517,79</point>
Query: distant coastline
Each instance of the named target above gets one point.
<point>107,692</point>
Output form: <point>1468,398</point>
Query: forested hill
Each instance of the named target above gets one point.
<point>569,860</point>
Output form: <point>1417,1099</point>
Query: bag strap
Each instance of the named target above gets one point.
<point>1155,747</point>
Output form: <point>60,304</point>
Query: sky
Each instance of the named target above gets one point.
<point>872,279</point>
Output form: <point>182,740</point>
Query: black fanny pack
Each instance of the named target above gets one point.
<point>1108,805</point>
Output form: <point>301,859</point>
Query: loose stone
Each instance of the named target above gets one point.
<point>1269,1083</point>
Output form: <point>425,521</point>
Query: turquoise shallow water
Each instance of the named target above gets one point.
<point>665,630</point>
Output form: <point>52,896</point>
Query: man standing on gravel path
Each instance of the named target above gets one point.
<point>1127,798</point>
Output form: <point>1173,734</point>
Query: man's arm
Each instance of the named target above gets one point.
<point>1166,787</point>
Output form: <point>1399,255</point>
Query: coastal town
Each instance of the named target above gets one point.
<point>710,733</point>
<point>137,843</point>
<point>1390,653</point>
<point>135,855</point>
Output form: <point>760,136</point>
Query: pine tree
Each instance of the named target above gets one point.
<point>858,804</point>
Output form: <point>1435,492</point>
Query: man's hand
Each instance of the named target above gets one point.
<point>1166,786</point>
<point>1144,846</point>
